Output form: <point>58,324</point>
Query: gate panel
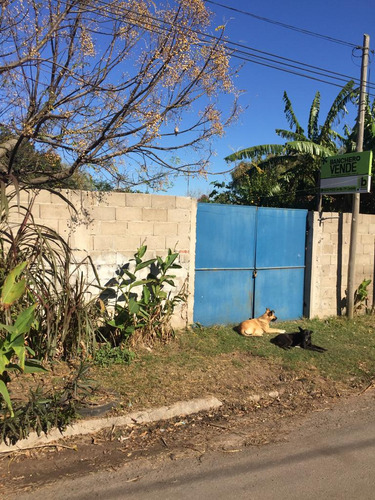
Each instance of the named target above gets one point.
<point>222,296</point>
<point>225,258</point>
<point>236,243</point>
<point>280,262</point>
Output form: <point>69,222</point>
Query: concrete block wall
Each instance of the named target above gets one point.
<point>327,259</point>
<point>110,227</point>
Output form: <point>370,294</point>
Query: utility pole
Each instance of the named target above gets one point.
<point>356,196</point>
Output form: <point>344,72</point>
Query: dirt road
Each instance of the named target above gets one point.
<point>317,447</point>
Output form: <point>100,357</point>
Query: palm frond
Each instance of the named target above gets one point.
<point>309,148</point>
<point>256,151</point>
<point>312,128</point>
<point>338,109</point>
<point>290,116</point>
<point>290,135</point>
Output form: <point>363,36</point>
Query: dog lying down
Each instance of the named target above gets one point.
<point>257,326</point>
<point>298,339</point>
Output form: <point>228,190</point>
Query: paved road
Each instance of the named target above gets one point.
<point>330,455</point>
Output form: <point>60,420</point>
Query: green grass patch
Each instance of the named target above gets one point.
<point>203,360</point>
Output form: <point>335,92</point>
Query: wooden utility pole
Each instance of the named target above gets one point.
<point>356,196</point>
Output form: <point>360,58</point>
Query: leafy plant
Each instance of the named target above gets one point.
<point>12,345</point>
<point>144,306</point>
<point>361,296</point>
<point>46,410</point>
<point>108,355</point>
<point>66,319</point>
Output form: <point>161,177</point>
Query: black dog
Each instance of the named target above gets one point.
<point>299,339</point>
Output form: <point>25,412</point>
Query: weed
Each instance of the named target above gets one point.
<point>108,355</point>
<point>46,410</point>
<point>361,296</point>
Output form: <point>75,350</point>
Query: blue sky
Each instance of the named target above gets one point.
<point>263,87</point>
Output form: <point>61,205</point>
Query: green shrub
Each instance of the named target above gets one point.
<point>143,307</point>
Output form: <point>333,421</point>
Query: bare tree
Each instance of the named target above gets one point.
<point>115,86</point>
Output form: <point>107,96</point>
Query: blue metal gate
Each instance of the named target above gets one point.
<point>247,259</point>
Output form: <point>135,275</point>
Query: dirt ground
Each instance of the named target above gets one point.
<point>249,416</point>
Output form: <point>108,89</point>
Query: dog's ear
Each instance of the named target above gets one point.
<point>267,310</point>
<point>301,330</point>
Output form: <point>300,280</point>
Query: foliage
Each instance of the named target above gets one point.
<point>287,175</point>
<point>12,344</point>
<point>361,296</point>
<point>108,355</point>
<point>66,320</point>
<point>143,306</point>
<point>45,410</point>
<point>107,85</point>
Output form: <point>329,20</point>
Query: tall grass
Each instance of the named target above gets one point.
<point>66,318</point>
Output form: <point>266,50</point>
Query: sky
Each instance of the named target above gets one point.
<point>263,87</point>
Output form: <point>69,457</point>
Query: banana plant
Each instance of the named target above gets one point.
<point>12,344</point>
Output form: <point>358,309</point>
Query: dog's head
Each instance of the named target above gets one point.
<point>306,333</point>
<point>271,314</point>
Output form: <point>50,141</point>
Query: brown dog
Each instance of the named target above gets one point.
<point>257,326</point>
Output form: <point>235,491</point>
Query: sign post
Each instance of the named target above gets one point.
<point>347,173</point>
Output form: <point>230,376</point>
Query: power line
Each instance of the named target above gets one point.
<point>237,50</point>
<point>157,24</point>
<point>283,25</point>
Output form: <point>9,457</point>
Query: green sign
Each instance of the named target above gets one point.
<point>347,173</point>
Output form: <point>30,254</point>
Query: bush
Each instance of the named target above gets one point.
<point>144,306</point>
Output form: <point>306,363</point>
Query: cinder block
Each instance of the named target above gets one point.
<point>104,243</point>
<point>368,249</point>
<point>328,249</point>
<point>328,270</point>
<point>184,229</point>
<point>154,214</point>
<point>179,243</point>
<point>163,201</point>
<point>53,224</point>
<point>103,213</point>
<point>115,199</point>
<point>127,243</point>
<point>103,258</point>
<point>129,213</point>
<point>141,228</point>
<point>367,239</point>
<point>54,211</point>
<point>117,228</point>
<point>184,202</point>
<point>179,215</point>
<point>325,259</point>
<point>43,196</point>
<point>138,200</point>
<point>165,228</point>
<point>155,243</point>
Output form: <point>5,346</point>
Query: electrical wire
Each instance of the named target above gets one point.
<point>283,25</point>
<point>236,51</point>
